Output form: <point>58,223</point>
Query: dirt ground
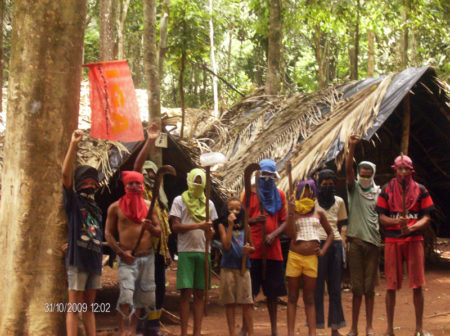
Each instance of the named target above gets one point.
<point>436,314</point>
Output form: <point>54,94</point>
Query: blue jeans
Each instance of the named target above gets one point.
<point>330,270</point>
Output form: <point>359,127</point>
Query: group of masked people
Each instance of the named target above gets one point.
<point>322,238</point>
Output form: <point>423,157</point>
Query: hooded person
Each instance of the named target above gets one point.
<point>83,257</point>
<point>330,265</point>
<point>151,325</point>
<point>304,222</point>
<point>363,235</point>
<point>127,218</point>
<point>273,216</point>
<point>403,223</point>
<point>188,214</point>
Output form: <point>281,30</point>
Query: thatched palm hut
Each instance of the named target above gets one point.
<point>312,130</point>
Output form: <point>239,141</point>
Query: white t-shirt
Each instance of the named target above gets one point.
<point>193,240</point>
<point>335,213</point>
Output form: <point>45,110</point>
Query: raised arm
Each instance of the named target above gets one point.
<point>152,134</point>
<point>353,141</point>
<point>67,166</point>
<point>290,222</point>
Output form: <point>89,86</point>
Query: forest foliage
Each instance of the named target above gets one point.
<point>324,43</point>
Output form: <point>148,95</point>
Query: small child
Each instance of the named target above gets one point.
<point>303,225</point>
<point>236,289</point>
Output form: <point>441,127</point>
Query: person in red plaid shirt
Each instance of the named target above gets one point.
<point>403,237</point>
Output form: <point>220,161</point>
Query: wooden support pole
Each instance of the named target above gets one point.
<point>406,125</point>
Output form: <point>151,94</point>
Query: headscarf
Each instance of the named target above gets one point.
<point>150,182</point>
<point>325,195</point>
<point>86,195</point>
<point>367,189</point>
<point>132,203</point>
<point>194,197</point>
<point>305,205</point>
<point>412,189</point>
<point>268,191</point>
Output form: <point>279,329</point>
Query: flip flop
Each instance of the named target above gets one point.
<point>352,333</point>
<point>371,333</point>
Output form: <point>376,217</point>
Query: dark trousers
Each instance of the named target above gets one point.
<point>330,271</point>
<point>151,327</point>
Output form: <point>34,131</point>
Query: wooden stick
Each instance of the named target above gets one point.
<point>207,191</point>
<point>263,245</point>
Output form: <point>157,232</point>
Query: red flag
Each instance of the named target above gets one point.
<point>115,112</point>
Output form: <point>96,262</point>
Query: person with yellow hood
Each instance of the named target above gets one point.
<point>303,227</point>
<point>188,221</point>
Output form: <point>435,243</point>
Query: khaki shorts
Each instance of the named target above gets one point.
<point>363,266</point>
<point>234,287</point>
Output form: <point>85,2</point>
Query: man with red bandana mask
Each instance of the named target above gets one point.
<point>136,272</point>
<point>404,241</point>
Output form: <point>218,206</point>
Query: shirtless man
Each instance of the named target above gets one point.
<point>136,272</point>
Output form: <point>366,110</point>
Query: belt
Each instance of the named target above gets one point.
<point>143,253</point>
<point>356,240</point>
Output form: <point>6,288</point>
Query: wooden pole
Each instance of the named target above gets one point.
<point>406,125</point>
<point>208,191</point>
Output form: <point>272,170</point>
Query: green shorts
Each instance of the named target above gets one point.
<point>191,270</point>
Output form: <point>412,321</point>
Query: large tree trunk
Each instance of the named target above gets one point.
<point>1,57</point>
<point>163,36</point>
<point>273,78</point>
<point>152,71</point>
<point>213,62</point>
<point>370,53</point>
<point>106,30</point>
<point>43,100</point>
<point>121,28</point>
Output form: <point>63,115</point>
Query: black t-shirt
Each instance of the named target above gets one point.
<point>84,235</point>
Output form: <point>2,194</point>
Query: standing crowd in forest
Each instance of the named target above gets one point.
<point>323,237</point>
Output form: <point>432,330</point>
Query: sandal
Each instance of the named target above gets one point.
<point>352,333</point>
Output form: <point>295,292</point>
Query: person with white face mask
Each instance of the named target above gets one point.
<point>362,238</point>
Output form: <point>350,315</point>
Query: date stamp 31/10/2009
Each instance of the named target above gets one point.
<point>61,307</point>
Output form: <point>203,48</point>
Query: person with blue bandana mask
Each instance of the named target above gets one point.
<point>274,218</point>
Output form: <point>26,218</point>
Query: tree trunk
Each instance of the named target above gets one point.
<point>230,40</point>
<point>404,38</point>
<point>413,48</point>
<point>121,28</point>
<point>370,53</point>
<point>106,30</point>
<point>152,72</point>
<point>181,89</point>
<point>406,125</point>
<point>43,101</point>
<point>163,37</point>
<point>213,61</point>
<point>321,52</point>
<point>354,50</point>
<point>273,78</point>
<point>1,58</point>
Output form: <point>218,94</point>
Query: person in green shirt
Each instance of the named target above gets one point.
<point>362,237</point>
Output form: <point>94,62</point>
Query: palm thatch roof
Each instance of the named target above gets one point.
<point>312,130</point>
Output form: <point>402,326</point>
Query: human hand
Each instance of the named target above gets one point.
<point>354,139</point>
<point>148,225</point>
<point>153,131</point>
<point>77,135</point>
<point>319,252</point>
<point>127,257</point>
<point>167,259</point>
<point>210,233</point>
<point>231,219</point>
<point>206,226</point>
<point>246,248</point>
<point>270,239</point>
<point>64,247</point>
<point>260,218</point>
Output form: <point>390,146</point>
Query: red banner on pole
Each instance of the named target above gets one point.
<point>115,111</point>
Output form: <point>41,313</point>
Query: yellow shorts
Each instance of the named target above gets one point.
<point>298,264</point>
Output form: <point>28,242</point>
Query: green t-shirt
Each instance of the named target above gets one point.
<point>362,217</point>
